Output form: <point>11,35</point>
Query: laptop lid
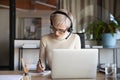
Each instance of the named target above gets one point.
<point>74,63</point>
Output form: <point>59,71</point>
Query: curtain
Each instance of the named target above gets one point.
<point>117,8</point>
<point>82,10</point>
<point>110,7</point>
<point>20,28</point>
<point>85,11</point>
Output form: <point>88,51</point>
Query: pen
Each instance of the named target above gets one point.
<point>24,66</point>
<point>40,63</point>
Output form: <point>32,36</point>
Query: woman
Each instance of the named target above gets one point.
<point>60,38</point>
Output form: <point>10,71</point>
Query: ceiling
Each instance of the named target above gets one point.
<point>31,4</point>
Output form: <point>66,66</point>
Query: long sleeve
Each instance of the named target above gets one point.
<point>48,43</point>
<point>42,52</point>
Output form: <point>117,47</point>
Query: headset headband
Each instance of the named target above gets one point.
<point>60,12</point>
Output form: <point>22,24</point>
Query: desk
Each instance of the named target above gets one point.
<point>20,55</point>
<point>100,76</point>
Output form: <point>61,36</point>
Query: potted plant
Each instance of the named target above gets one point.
<point>99,29</point>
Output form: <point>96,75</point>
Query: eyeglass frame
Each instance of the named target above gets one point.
<point>59,30</point>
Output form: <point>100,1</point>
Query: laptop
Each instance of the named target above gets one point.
<point>74,63</point>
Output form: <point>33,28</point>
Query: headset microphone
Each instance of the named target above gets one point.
<point>70,30</point>
<point>68,35</point>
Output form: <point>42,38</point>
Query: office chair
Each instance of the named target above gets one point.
<point>82,38</point>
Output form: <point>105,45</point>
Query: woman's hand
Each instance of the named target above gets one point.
<point>40,67</point>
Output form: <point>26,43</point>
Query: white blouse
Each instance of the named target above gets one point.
<point>48,43</point>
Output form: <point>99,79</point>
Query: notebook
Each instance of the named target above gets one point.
<point>11,77</point>
<point>74,63</point>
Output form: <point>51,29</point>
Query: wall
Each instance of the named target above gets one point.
<point>31,56</point>
<point>4,37</point>
<point>45,20</point>
<point>106,55</point>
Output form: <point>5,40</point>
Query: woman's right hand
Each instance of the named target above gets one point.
<point>40,67</point>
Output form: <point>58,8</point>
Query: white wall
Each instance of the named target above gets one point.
<point>106,55</point>
<point>30,56</point>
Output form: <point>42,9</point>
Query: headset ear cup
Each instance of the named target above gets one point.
<point>70,29</point>
<point>51,22</point>
<point>59,12</point>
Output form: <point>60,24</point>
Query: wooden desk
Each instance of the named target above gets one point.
<point>100,76</point>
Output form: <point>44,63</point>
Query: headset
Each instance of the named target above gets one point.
<point>63,13</point>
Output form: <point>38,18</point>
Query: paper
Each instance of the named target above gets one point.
<point>45,73</point>
<point>31,66</point>
<point>97,46</point>
<point>29,45</point>
<point>11,77</point>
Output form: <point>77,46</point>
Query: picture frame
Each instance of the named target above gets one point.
<point>31,28</point>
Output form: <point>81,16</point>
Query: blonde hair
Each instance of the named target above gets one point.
<point>61,19</point>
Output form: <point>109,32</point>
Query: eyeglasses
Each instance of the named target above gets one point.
<point>61,31</point>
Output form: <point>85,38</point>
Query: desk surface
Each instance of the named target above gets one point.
<point>100,76</point>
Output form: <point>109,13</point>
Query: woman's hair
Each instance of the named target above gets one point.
<point>61,19</point>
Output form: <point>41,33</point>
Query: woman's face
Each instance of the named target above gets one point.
<point>59,31</point>
<point>60,25</point>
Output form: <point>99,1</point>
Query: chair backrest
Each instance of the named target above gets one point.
<point>82,38</point>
